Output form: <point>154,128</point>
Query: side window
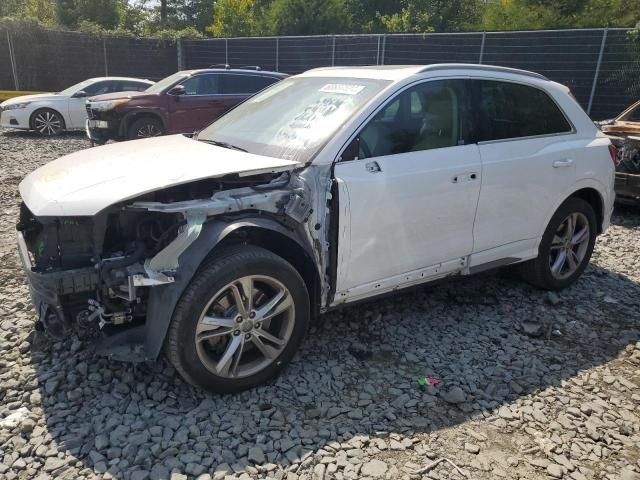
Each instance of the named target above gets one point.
<point>633,115</point>
<point>98,88</point>
<point>427,116</point>
<point>208,84</point>
<point>233,84</point>
<point>133,86</point>
<point>513,110</point>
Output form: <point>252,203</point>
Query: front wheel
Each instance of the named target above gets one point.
<point>47,122</point>
<point>240,321</point>
<point>145,127</point>
<point>566,247</point>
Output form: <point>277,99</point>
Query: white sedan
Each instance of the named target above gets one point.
<point>51,113</point>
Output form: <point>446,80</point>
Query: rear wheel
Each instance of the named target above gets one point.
<point>566,247</point>
<point>145,127</point>
<point>240,321</point>
<point>47,122</point>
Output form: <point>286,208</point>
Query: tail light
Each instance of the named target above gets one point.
<point>613,151</point>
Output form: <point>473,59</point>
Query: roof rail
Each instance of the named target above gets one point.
<point>226,66</point>
<point>250,67</point>
<point>475,66</point>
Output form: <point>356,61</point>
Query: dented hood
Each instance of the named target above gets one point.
<point>88,181</point>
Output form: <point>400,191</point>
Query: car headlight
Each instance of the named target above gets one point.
<point>16,106</point>
<point>107,105</point>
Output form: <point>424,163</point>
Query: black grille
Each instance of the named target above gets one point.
<point>89,111</point>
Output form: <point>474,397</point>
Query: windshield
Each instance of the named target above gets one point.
<point>76,88</point>
<point>294,118</point>
<point>166,82</point>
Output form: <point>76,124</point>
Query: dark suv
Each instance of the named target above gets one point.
<point>181,103</point>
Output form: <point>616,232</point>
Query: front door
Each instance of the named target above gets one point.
<point>408,196</point>
<point>193,110</point>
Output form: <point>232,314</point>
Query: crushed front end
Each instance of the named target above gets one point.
<point>86,270</point>
<point>122,271</point>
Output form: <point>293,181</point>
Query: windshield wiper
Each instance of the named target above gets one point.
<point>223,145</point>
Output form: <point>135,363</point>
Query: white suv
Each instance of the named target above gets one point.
<point>329,187</point>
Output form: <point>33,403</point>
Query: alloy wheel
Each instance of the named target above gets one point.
<point>47,123</point>
<point>569,246</point>
<point>148,130</point>
<point>245,326</point>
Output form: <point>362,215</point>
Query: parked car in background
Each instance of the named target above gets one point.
<point>181,103</point>
<point>327,188</point>
<point>624,132</point>
<point>51,113</point>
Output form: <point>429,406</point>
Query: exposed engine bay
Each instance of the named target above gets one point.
<point>102,270</point>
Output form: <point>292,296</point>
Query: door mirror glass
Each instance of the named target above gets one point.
<point>178,90</point>
<point>79,94</point>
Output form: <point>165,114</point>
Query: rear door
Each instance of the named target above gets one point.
<point>408,195</point>
<point>528,159</point>
<point>191,111</point>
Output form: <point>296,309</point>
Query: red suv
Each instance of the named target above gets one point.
<point>181,103</point>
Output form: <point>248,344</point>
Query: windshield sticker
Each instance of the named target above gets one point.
<point>342,88</point>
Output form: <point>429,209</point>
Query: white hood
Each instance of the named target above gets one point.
<point>29,98</point>
<point>88,181</point>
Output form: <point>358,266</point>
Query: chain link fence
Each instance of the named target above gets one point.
<point>601,66</point>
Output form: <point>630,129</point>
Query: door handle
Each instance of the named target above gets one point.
<point>373,167</point>
<point>567,162</point>
<point>464,177</point>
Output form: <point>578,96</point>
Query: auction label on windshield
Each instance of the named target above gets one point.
<point>342,88</point>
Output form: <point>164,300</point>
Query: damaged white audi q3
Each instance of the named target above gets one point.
<point>329,187</point>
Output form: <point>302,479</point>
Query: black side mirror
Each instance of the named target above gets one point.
<point>79,94</point>
<point>177,90</point>
<point>352,151</point>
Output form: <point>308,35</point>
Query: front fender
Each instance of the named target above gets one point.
<point>164,298</point>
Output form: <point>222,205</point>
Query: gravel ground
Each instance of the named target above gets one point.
<point>531,385</point>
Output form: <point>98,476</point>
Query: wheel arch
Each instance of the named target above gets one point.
<point>47,107</point>
<point>131,117</point>
<point>593,198</point>
<point>262,231</point>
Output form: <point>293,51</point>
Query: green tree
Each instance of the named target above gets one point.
<point>234,18</point>
<point>307,17</point>
<point>413,18</point>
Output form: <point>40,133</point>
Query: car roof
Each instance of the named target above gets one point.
<point>244,71</point>
<point>144,80</point>
<point>401,72</point>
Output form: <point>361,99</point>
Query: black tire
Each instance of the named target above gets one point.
<point>46,122</point>
<point>226,266</point>
<point>145,127</point>
<point>538,270</point>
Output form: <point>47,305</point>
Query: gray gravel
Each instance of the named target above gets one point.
<point>531,385</point>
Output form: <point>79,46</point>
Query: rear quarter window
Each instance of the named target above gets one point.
<point>512,110</point>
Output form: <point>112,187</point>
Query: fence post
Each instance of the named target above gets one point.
<point>226,51</point>
<point>378,52</point>
<point>179,54</point>
<point>12,59</point>
<point>384,47</point>
<point>595,76</point>
<point>484,36</point>
<point>333,50</point>
<point>104,54</point>
<point>277,53</point>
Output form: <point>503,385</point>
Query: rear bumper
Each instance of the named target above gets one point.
<point>18,118</point>
<point>627,188</point>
